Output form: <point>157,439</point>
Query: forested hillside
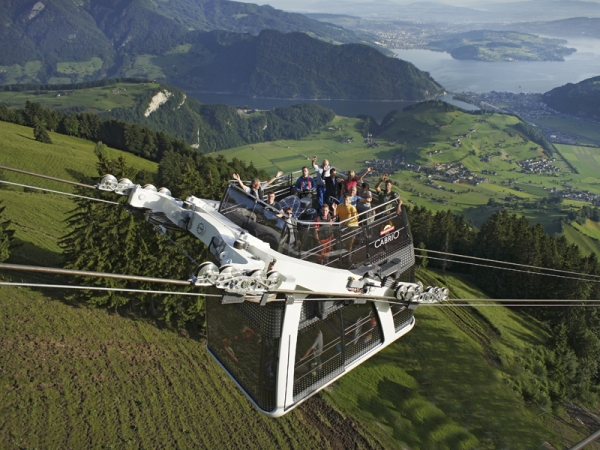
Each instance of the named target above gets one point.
<point>581,99</point>
<point>169,42</point>
<point>207,127</point>
<point>295,65</point>
<point>67,41</point>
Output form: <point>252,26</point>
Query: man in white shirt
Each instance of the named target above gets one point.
<point>322,172</point>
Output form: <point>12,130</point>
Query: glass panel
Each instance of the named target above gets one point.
<point>381,235</point>
<point>254,216</point>
<point>362,330</point>
<point>402,316</point>
<point>325,346</point>
<point>245,339</point>
<point>318,355</point>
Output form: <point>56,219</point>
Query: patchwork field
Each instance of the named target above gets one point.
<point>93,100</point>
<point>16,73</point>
<point>427,138</point>
<point>586,131</point>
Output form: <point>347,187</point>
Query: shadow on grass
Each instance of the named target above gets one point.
<point>81,177</point>
<point>75,297</point>
<point>454,379</point>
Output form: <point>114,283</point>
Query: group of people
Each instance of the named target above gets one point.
<point>337,199</point>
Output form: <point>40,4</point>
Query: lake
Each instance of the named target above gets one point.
<point>515,76</point>
<point>454,75</point>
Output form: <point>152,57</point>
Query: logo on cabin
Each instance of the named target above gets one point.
<point>387,229</point>
<point>201,228</point>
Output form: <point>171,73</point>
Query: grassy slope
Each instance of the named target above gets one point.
<point>94,100</point>
<point>443,387</point>
<point>38,218</point>
<point>84,376</point>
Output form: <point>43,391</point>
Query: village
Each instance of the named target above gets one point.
<point>574,194</point>
<point>538,166</point>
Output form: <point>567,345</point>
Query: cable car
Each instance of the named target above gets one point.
<point>303,301</point>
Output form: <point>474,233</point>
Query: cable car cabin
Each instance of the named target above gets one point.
<point>303,301</point>
<point>282,352</point>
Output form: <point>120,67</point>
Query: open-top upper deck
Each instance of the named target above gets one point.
<point>381,237</point>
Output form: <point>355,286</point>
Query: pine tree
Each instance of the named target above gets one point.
<point>40,133</point>
<point>6,237</point>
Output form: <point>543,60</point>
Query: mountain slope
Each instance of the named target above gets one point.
<point>294,65</point>
<point>66,41</point>
<point>581,99</point>
<point>68,30</point>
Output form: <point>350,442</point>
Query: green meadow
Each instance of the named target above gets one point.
<point>99,99</point>
<point>40,223</point>
<point>88,378</point>
<point>80,69</point>
<point>18,72</point>
<point>584,130</point>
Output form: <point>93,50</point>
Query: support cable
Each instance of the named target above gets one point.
<point>515,270</point>
<point>590,279</point>
<point>59,192</point>
<point>101,288</point>
<point>488,303</point>
<point>48,177</point>
<point>503,262</point>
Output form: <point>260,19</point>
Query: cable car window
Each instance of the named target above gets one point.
<point>362,331</point>
<point>245,340</point>
<point>326,346</point>
<point>318,355</point>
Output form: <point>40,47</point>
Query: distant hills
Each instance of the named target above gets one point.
<point>294,65</point>
<point>487,45</point>
<point>440,12</point>
<point>157,107</point>
<point>581,99</point>
<point>66,41</point>
<point>575,27</point>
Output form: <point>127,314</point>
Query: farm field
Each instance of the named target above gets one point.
<point>577,234</point>
<point>427,136</point>
<point>88,378</point>
<point>94,100</point>
<point>586,131</point>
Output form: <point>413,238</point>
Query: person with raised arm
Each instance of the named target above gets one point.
<point>323,171</point>
<point>332,187</point>
<point>388,194</point>
<point>353,180</point>
<point>256,188</point>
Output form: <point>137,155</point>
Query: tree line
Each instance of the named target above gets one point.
<point>570,368</point>
<point>221,127</point>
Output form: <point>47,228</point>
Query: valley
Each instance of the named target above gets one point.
<point>501,189</point>
<point>119,379</point>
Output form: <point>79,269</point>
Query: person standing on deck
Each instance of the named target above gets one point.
<point>256,188</point>
<point>322,172</point>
